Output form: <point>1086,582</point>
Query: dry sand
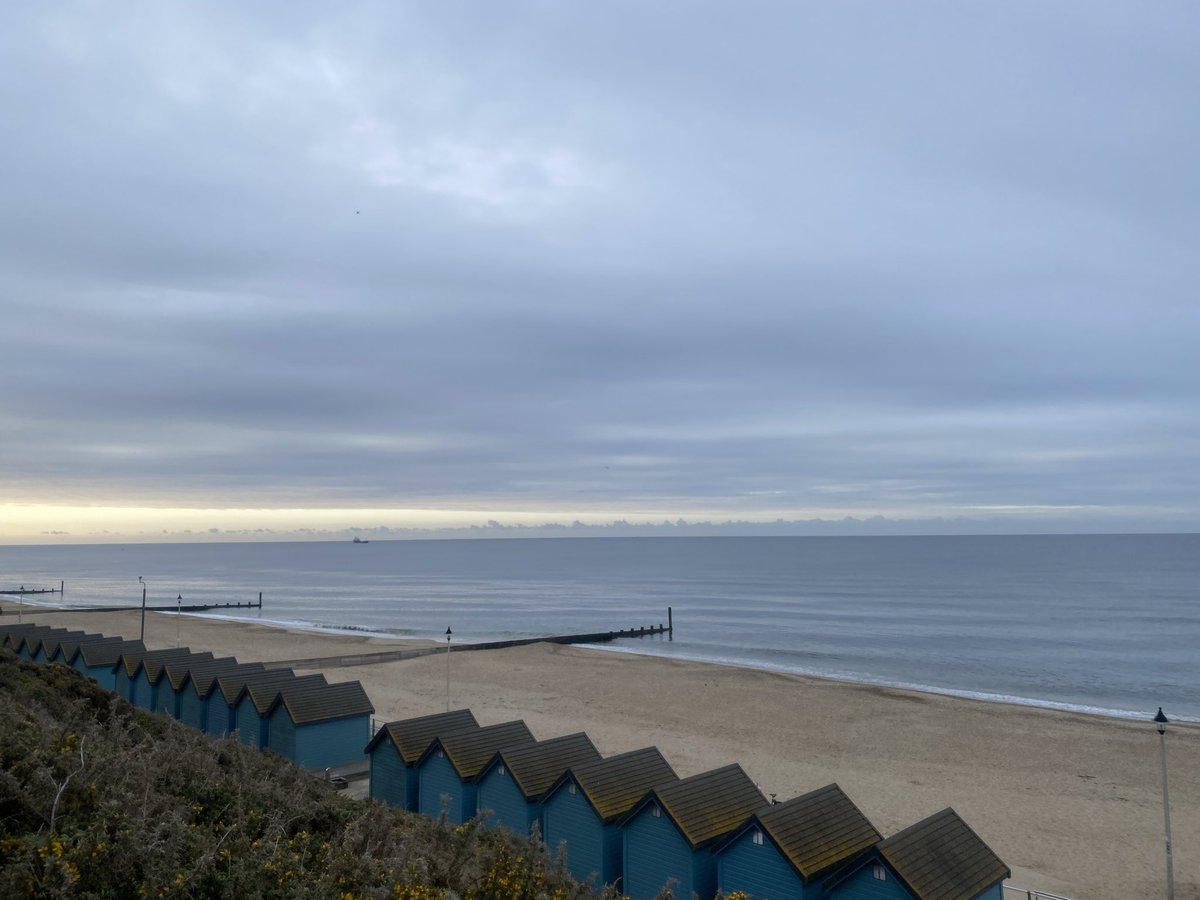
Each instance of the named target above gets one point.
<point>1072,803</point>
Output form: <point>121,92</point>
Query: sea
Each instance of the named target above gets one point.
<point>1105,624</point>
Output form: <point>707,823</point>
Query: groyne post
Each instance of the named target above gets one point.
<point>670,626</point>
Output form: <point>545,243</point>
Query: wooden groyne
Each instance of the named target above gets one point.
<point>383,656</point>
<point>23,591</point>
<point>178,607</point>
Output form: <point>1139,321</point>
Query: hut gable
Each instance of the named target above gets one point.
<point>66,647</point>
<point>468,751</point>
<point>16,632</point>
<point>411,737</point>
<point>536,767</point>
<point>155,666</point>
<point>818,830</point>
<point>29,642</point>
<point>308,701</point>
<point>264,692</point>
<point>708,806</point>
<point>177,671</point>
<point>108,651</point>
<point>130,661</point>
<point>232,684</point>
<point>203,678</point>
<point>614,785</point>
<point>941,858</point>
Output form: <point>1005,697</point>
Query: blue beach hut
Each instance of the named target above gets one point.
<point>98,660</point>
<point>787,850</point>
<point>670,833</point>
<point>56,649</point>
<point>43,651</point>
<point>396,748</point>
<point>28,642</point>
<point>512,784</point>
<point>176,674</point>
<point>582,811</point>
<point>252,710</point>
<point>13,634</point>
<point>149,688</point>
<point>316,725</point>
<point>127,679</point>
<point>447,769</point>
<point>199,695</point>
<point>222,705</point>
<point>936,858</point>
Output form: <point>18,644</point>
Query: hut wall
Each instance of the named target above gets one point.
<point>571,821</point>
<point>193,710</point>
<point>438,779</point>
<point>392,782</point>
<point>316,745</point>
<point>760,870</point>
<point>220,716</point>
<point>863,885</point>
<point>498,792</point>
<point>654,852</point>
<point>253,730</point>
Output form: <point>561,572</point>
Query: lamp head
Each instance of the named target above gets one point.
<point>448,633</point>
<point>1161,721</point>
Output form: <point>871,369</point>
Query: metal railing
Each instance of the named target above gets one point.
<point>1031,895</point>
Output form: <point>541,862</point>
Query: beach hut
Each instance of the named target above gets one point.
<point>198,695</point>
<point>126,672</point>
<point>788,849</point>
<point>222,711</point>
<point>98,660</point>
<point>513,782</point>
<point>252,710</point>
<point>316,725</point>
<point>12,634</point>
<point>396,748</point>
<point>670,833</point>
<point>937,858</point>
<point>52,648</point>
<point>175,675</point>
<point>149,688</point>
<point>447,769</point>
<point>582,811</point>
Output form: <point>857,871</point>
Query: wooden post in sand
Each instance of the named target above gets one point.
<point>670,626</point>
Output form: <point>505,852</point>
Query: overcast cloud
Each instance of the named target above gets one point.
<point>604,261</point>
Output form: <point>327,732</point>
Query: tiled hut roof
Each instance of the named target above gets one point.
<point>470,750</point>
<point>411,737</point>
<point>131,660</point>
<point>308,701</point>
<point>32,639</point>
<point>941,858</point>
<point>178,670</point>
<point>614,785</point>
<point>818,830</point>
<point>708,806</point>
<point>108,651</point>
<point>231,684</point>
<point>204,677</point>
<point>12,635</point>
<point>51,645</point>
<point>68,647</point>
<point>535,767</point>
<point>156,666</point>
<point>265,691</point>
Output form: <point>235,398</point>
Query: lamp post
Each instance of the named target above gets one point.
<point>142,636</point>
<point>1161,722</point>
<point>448,633</point>
<point>178,612</point>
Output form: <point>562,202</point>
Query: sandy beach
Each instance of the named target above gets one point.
<point>1073,803</point>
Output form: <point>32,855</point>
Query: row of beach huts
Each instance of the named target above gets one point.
<point>626,820</point>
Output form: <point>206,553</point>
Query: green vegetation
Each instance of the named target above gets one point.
<point>98,799</point>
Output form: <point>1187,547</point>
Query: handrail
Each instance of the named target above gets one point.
<point>1033,895</point>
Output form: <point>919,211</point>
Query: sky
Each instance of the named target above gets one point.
<point>308,269</point>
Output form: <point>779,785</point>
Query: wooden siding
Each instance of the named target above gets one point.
<point>761,870</point>
<point>439,781</point>
<point>498,792</point>
<point>252,728</point>
<point>655,853</point>
<point>330,743</point>
<point>863,885</point>
<point>281,734</point>
<point>193,709</point>
<point>390,777</point>
<point>572,823</point>
<point>615,785</point>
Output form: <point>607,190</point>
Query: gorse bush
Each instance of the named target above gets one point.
<point>99,799</point>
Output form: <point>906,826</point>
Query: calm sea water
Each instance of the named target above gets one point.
<point>1104,623</point>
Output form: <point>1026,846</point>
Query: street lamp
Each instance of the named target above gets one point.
<point>448,633</point>
<point>142,637</point>
<point>178,611</point>
<point>1160,722</point>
